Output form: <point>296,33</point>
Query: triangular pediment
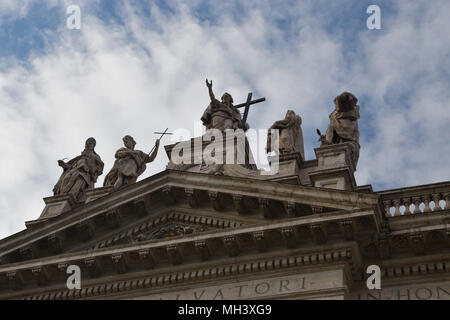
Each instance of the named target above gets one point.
<point>163,226</point>
<point>176,204</point>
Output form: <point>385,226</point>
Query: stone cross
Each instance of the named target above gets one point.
<point>247,106</point>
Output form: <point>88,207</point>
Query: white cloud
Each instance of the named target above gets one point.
<point>107,81</point>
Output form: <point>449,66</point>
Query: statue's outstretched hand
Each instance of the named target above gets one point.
<point>209,84</point>
<point>157,144</point>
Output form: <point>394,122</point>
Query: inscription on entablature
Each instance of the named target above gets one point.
<point>263,288</point>
<point>430,291</point>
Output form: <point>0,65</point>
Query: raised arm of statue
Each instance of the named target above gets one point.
<point>211,94</point>
<point>154,153</point>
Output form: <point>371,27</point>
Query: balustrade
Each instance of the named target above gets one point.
<point>428,199</point>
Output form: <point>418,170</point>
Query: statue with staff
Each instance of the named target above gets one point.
<point>130,163</point>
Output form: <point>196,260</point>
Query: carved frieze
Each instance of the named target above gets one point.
<point>167,231</point>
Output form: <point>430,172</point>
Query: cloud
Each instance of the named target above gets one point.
<point>147,73</point>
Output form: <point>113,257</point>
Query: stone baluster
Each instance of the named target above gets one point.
<point>446,197</point>
<point>436,198</point>
<point>387,207</point>
<point>426,201</point>
<point>417,201</point>
<point>397,204</point>
<point>407,203</point>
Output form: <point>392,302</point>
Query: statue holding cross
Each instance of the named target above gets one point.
<point>223,115</point>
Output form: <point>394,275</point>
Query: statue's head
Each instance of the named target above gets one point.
<point>346,101</point>
<point>227,99</point>
<point>90,143</point>
<point>129,142</point>
<point>290,114</point>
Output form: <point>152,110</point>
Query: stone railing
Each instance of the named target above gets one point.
<point>415,200</point>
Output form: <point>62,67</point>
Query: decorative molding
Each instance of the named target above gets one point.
<point>192,197</point>
<point>179,277</point>
<point>289,235</point>
<point>232,246</point>
<point>239,205</point>
<point>214,197</point>
<point>417,242</point>
<point>174,253</point>
<point>203,250</point>
<point>319,233</point>
<point>133,233</point>
<point>289,206</point>
<point>85,230</point>
<point>264,208</point>
<point>168,195</point>
<point>119,262</point>
<point>93,266</point>
<point>55,242</point>
<point>146,257</point>
<point>260,241</point>
<point>383,247</point>
<point>348,229</point>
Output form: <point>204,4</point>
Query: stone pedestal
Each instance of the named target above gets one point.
<point>335,169</point>
<point>289,166</point>
<point>54,206</point>
<point>230,150</point>
<point>96,193</point>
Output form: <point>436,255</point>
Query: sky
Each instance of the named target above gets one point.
<point>136,67</point>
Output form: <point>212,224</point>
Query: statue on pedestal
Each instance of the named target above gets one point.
<point>343,125</point>
<point>129,164</point>
<point>222,115</point>
<point>80,173</point>
<point>290,135</point>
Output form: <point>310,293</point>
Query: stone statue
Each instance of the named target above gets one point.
<point>290,134</point>
<point>222,115</point>
<point>129,164</point>
<point>80,173</point>
<point>344,123</point>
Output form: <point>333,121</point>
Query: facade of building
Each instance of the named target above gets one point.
<point>229,232</point>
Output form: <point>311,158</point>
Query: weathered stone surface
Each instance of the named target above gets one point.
<point>80,173</point>
<point>420,291</point>
<point>222,115</point>
<point>335,167</point>
<point>213,231</point>
<point>290,136</point>
<point>281,286</point>
<point>129,164</point>
<point>343,125</point>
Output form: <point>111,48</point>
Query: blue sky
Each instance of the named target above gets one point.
<point>139,66</point>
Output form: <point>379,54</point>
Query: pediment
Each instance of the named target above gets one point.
<point>173,225</point>
<point>176,204</point>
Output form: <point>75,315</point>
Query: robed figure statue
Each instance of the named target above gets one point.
<point>80,173</point>
<point>222,115</point>
<point>343,125</point>
<point>129,164</point>
<point>290,135</point>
